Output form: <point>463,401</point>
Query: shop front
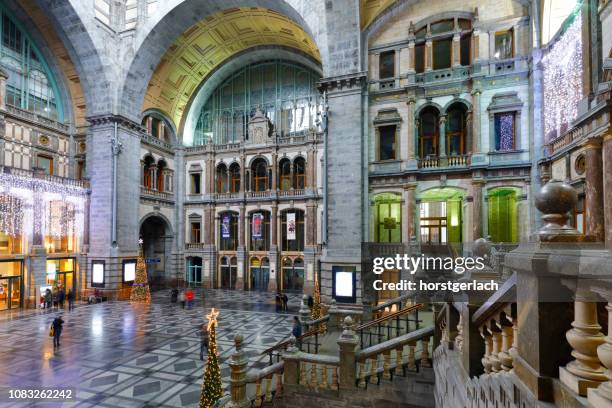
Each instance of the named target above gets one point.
<point>11,284</point>
<point>61,273</point>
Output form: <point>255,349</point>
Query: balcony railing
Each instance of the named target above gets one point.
<point>155,141</point>
<point>39,120</point>
<point>448,161</point>
<point>291,193</point>
<point>194,245</point>
<point>46,177</point>
<point>258,194</point>
<point>227,196</point>
<point>147,192</point>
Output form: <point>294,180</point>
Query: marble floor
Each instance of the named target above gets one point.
<point>120,354</point>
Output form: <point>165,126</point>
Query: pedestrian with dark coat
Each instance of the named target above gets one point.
<point>57,330</point>
<point>61,297</point>
<point>204,339</point>
<point>278,301</point>
<point>285,300</point>
<point>48,299</point>
<point>297,327</point>
<point>70,300</point>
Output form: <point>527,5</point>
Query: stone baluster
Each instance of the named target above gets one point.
<point>486,363</point>
<point>323,384</point>
<point>495,347</point>
<point>459,336</point>
<point>268,380</point>
<point>504,356</point>
<point>399,358</point>
<point>585,336</point>
<point>258,399</point>
<point>279,384</point>
<point>347,342</point>
<point>601,397</point>
<point>362,374</point>
<point>313,375</point>
<point>334,385</point>
<point>374,369</point>
<point>238,370</point>
<point>386,364</point>
<point>411,356</point>
<point>425,362</point>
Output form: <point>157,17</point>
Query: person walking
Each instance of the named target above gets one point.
<point>285,300</point>
<point>204,338</point>
<point>70,300</point>
<point>54,295</point>
<point>48,299</point>
<point>182,298</point>
<point>57,330</point>
<point>61,297</point>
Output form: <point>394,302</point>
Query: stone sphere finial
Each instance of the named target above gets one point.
<point>482,247</point>
<point>556,197</point>
<point>555,200</point>
<point>348,323</point>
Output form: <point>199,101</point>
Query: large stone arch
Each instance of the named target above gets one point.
<point>162,30</point>
<point>73,22</point>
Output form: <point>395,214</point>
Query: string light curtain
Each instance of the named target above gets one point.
<point>11,215</point>
<point>563,80</point>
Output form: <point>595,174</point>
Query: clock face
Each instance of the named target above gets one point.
<point>43,140</point>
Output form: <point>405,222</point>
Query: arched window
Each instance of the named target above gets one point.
<point>284,168</point>
<point>299,173</point>
<point>260,231</point>
<point>148,170</point>
<point>285,92</point>
<point>428,132</point>
<point>259,169</point>
<point>292,230</point>
<point>234,178</point>
<point>228,231</point>
<point>221,178</point>
<point>456,130</point>
<point>157,127</point>
<point>30,85</point>
<point>161,170</point>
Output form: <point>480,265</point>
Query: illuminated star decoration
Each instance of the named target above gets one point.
<point>212,318</point>
<point>140,241</point>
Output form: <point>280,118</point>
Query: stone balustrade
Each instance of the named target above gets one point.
<point>385,359</point>
<point>160,195</point>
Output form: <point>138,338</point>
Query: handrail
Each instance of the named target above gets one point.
<point>393,315</point>
<point>255,375</point>
<point>505,294</point>
<point>394,343</point>
<point>285,343</point>
<point>391,302</point>
<point>321,319</point>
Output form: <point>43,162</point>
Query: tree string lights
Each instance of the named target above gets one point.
<point>563,80</point>
<point>212,389</point>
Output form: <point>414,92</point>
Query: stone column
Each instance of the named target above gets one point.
<point>476,121</point>
<point>428,55</point>
<point>410,210</point>
<point>274,171</point>
<point>586,370</point>
<point>149,124</point>
<point>161,133</point>
<point>238,366</point>
<point>607,155</point>
<point>411,143</point>
<point>411,57</point>
<point>3,78</point>
<point>274,248</point>
<point>456,51</point>
<point>594,190</point>
<point>442,145</point>
<point>347,343</point>
<point>477,209</point>
<point>242,278</point>
<point>476,46</point>
<point>242,174</point>
<point>602,396</point>
<point>311,182</point>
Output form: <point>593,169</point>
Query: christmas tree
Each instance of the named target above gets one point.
<point>211,389</point>
<point>315,313</point>
<point>140,287</point>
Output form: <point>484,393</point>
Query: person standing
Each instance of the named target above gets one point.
<point>61,297</point>
<point>297,328</point>
<point>54,295</point>
<point>57,330</point>
<point>278,301</point>
<point>70,300</point>
<point>204,338</point>
<point>189,297</point>
<point>285,300</point>
<point>182,298</point>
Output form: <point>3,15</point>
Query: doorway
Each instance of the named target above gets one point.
<point>260,274</point>
<point>228,269</point>
<point>61,273</point>
<point>194,271</point>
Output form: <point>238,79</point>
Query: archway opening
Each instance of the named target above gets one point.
<point>193,276</point>
<point>156,235</point>
<point>260,273</point>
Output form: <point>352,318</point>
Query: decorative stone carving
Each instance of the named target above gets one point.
<point>259,129</point>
